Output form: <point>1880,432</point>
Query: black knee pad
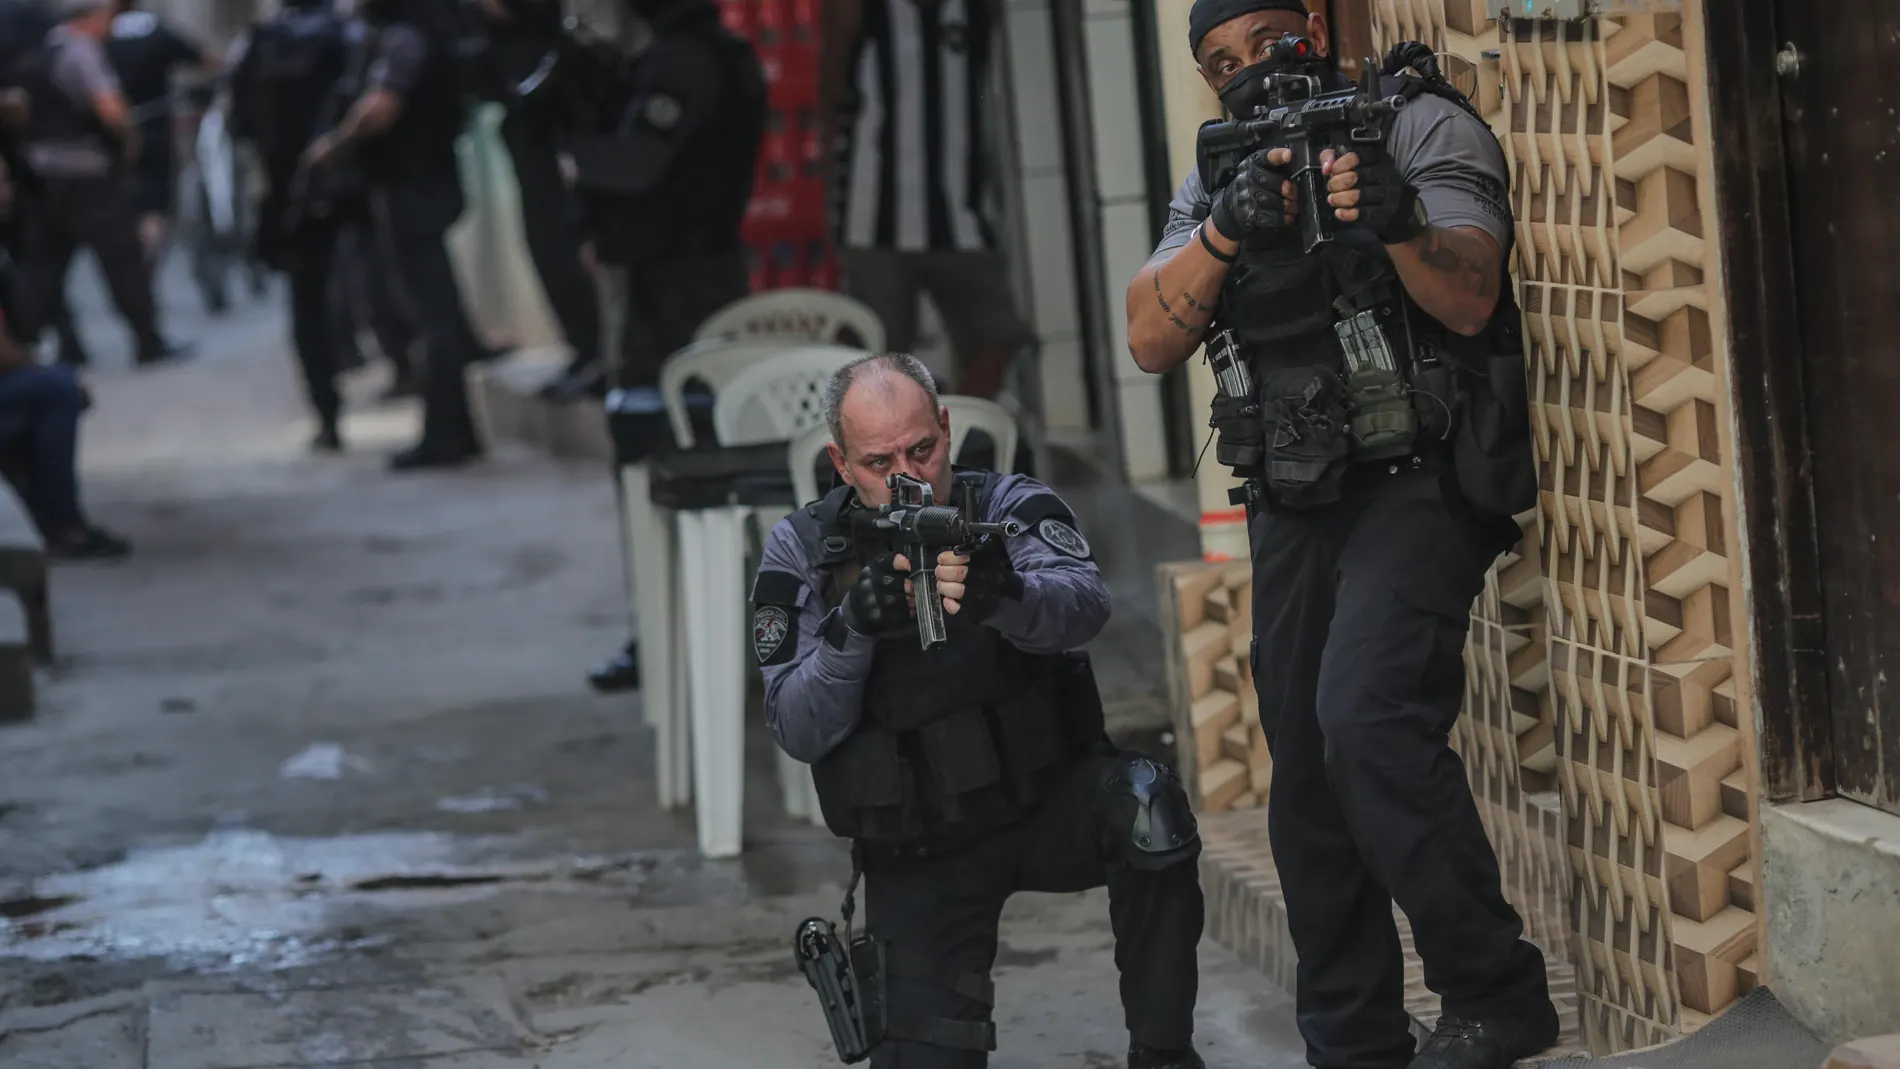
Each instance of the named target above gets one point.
<point>1147,819</point>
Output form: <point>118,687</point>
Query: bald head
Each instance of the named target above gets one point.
<point>885,418</point>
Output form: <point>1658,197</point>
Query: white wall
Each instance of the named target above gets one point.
<point>1043,244</point>
<point>1127,237</point>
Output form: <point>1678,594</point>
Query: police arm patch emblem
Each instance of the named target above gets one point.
<point>771,626</point>
<point>1064,539</point>
<point>664,112</point>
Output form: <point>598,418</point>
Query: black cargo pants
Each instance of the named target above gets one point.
<point>95,212</point>
<point>412,224</point>
<point>1360,615</point>
<point>666,301</point>
<point>937,917</point>
<point>553,242</point>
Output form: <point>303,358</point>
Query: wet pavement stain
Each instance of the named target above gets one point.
<point>30,905</point>
<point>420,883</point>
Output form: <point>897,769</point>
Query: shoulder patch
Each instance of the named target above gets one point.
<point>771,626</point>
<point>664,112</point>
<point>1063,538</point>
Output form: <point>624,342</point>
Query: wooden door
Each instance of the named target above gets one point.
<point>1841,136</point>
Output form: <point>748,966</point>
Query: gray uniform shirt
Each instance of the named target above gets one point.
<point>81,71</point>
<point>814,691</point>
<point>1444,151</point>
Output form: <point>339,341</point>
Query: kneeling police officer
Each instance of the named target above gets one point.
<point>977,769</point>
<point>1373,397</point>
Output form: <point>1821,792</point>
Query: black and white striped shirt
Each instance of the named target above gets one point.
<point>913,167</point>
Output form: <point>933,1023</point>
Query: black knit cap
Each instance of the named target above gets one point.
<point>1205,15</point>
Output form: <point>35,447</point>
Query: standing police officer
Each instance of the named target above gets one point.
<point>978,769</point>
<point>403,129</point>
<point>283,89</point>
<point>664,187</point>
<point>144,52</point>
<point>1373,523</point>
<point>523,33</point>
<point>80,141</point>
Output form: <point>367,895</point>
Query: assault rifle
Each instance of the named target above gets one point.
<point>916,526</point>
<point>1301,118</point>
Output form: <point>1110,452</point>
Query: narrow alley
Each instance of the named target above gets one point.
<point>316,780</point>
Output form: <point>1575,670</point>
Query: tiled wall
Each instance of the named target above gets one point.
<point>1614,633</point>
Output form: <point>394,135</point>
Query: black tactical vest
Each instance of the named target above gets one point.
<point>955,742</point>
<point>53,116</point>
<point>1281,305</point>
<point>420,148</point>
<point>297,61</point>
<point>699,203</point>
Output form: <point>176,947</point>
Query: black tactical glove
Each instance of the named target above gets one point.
<point>876,605</point>
<point>1388,205</point>
<point>991,579</point>
<point>1252,202</point>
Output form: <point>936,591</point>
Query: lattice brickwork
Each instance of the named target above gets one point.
<point>1209,621</point>
<point>1601,122</point>
<point>1634,693</point>
<point>1508,733</point>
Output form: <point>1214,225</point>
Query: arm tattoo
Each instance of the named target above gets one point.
<point>1186,327</point>
<point>1461,257</point>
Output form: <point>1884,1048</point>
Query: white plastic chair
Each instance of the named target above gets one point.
<point>716,362</point>
<point>772,401</point>
<point>975,413</point>
<point>779,399</point>
<point>819,315</point>
<point>653,563</point>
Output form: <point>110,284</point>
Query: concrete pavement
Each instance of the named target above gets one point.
<point>316,781</point>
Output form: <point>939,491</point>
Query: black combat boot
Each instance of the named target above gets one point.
<point>1140,1057</point>
<point>1458,1043</point>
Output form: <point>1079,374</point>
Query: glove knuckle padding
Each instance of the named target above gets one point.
<point>1147,820</point>
<point>876,604</point>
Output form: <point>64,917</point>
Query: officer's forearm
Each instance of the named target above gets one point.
<point>1453,274</point>
<point>1170,304</point>
<point>813,704</point>
<point>369,117</point>
<point>113,112</point>
<point>1061,609</point>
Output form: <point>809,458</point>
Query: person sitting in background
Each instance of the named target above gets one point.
<point>39,438</point>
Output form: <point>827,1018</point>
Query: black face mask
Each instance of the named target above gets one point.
<point>1252,87</point>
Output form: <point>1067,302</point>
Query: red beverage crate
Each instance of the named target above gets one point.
<point>755,268</point>
<point>736,15</point>
<point>784,270</point>
<point>821,268</point>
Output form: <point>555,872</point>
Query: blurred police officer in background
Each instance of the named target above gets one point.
<point>285,89</point>
<point>524,34</point>
<point>665,178</point>
<point>80,143</point>
<point>1384,442</point>
<point>23,26</point>
<point>402,129</point>
<point>145,53</point>
<point>969,772</point>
